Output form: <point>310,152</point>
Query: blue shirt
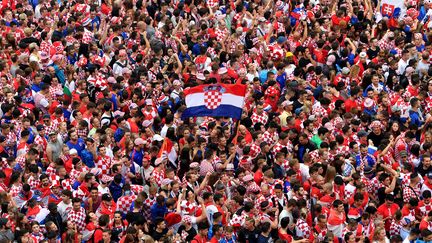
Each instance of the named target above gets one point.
<point>370,161</point>
<point>66,114</point>
<point>196,49</point>
<point>116,190</point>
<point>137,156</point>
<point>60,74</point>
<point>79,146</point>
<point>87,158</point>
<point>36,87</point>
<point>158,211</point>
<point>31,136</point>
<point>415,118</point>
<point>281,79</point>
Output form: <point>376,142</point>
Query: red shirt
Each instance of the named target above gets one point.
<point>350,104</point>
<point>199,239</point>
<point>386,211</point>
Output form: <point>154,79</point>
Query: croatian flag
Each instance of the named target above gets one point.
<point>168,151</point>
<point>215,100</point>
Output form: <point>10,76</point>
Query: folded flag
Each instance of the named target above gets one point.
<point>215,100</point>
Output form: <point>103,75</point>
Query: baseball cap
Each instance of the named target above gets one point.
<point>158,161</point>
<point>195,165</point>
<point>247,178</point>
<point>133,106</point>
<point>396,108</point>
<point>139,141</point>
<point>73,151</point>
<point>157,137</point>
<point>229,167</point>
<point>149,102</point>
<point>281,39</point>
<point>362,133</point>
<point>287,103</point>
<point>345,70</point>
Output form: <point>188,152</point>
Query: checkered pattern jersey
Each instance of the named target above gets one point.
<point>33,182</point>
<point>78,218</point>
<point>15,189</point>
<point>425,209</point>
<point>220,34</point>
<point>303,229</point>
<point>268,137</point>
<point>373,186</point>
<point>52,127</point>
<point>278,147</point>
<point>205,167</point>
<point>188,208</point>
<point>385,44</point>
<point>319,110</point>
<point>41,142</point>
<point>50,171</point>
<point>124,203</point>
<point>321,234</point>
<point>147,205</point>
<point>158,176</point>
<point>342,150</point>
<point>254,150</point>
<point>53,90</point>
<point>104,163</point>
<point>410,192</point>
<point>263,118</point>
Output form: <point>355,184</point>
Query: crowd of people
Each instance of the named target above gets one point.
<point>334,143</point>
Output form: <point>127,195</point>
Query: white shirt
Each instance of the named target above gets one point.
<point>64,209</point>
<point>165,129</point>
<point>402,66</point>
<point>103,190</point>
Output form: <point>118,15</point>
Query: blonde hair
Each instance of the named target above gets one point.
<point>330,174</point>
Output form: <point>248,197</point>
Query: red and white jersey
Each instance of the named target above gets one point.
<point>124,203</point>
<point>302,229</point>
<point>104,163</point>
<point>149,115</point>
<point>270,138</point>
<point>278,147</point>
<point>276,51</point>
<point>425,208</point>
<point>395,228</point>
<point>263,118</point>
<point>78,217</point>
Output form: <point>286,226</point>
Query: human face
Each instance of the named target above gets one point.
<point>35,228</point>
<point>76,206</point>
<point>74,136</point>
<point>351,239</point>
<point>94,193</point>
<point>340,208</point>
<point>278,192</point>
<point>426,161</point>
<point>117,217</point>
